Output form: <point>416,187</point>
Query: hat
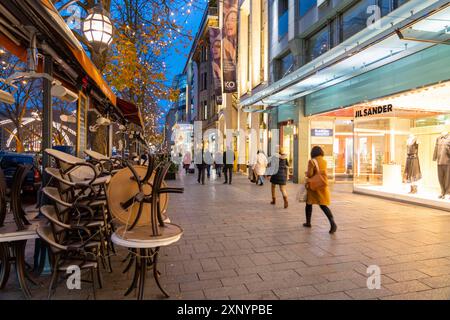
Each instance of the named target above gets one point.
<point>281,150</point>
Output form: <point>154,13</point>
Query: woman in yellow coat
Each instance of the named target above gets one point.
<point>320,197</point>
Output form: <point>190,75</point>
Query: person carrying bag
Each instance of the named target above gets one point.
<point>317,188</point>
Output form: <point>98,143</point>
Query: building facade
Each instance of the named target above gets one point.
<point>367,81</point>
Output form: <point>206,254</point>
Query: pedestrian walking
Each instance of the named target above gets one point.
<point>201,169</point>
<point>187,159</point>
<point>228,162</point>
<point>280,178</point>
<point>259,168</point>
<point>218,163</point>
<point>317,188</point>
<point>208,160</point>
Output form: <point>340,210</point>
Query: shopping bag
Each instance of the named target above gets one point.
<point>302,193</point>
<point>318,181</point>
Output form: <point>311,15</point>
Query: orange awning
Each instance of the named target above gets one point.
<point>130,111</point>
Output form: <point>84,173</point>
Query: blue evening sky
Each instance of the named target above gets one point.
<point>177,57</point>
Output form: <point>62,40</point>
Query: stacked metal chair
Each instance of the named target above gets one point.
<point>13,237</point>
<point>79,226</point>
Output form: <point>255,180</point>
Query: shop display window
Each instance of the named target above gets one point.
<point>402,144</point>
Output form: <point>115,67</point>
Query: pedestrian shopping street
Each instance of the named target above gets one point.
<point>237,246</point>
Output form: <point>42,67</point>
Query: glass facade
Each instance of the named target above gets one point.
<point>286,65</point>
<point>305,6</point>
<point>317,44</point>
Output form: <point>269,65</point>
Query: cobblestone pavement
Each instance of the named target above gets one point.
<point>237,246</point>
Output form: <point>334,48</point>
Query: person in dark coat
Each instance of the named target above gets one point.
<point>280,178</point>
<point>228,163</point>
<point>202,169</point>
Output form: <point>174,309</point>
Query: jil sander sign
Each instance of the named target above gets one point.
<point>370,111</point>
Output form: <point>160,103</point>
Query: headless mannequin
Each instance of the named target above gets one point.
<point>411,140</point>
<point>442,156</point>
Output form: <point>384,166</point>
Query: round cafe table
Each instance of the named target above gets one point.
<point>145,249</point>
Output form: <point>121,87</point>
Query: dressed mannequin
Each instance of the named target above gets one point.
<point>412,168</point>
<point>442,156</point>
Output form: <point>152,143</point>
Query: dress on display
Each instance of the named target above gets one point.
<point>412,168</point>
<point>442,157</point>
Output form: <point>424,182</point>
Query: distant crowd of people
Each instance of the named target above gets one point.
<point>316,173</point>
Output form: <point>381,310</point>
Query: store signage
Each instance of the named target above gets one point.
<point>370,111</point>
<point>321,132</point>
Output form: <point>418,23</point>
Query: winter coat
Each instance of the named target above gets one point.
<point>322,196</point>
<point>225,162</point>
<point>282,175</point>
<point>187,159</point>
<point>261,164</point>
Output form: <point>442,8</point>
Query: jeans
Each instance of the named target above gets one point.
<point>260,180</point>
<point>282,189</point>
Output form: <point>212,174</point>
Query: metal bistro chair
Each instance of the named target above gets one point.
<point>79,214</point>
<point>108,166</point>
<point>124,208</point>
<point>146,240</point>
<point>66,255</point>
<point>13,237</point>
<point>78,180</point>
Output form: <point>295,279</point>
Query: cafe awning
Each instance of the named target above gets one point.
<point>369,49</point>
<point>45,19</point>
<point>130,111</point>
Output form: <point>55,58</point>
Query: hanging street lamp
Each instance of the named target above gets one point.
<point>98,29</point>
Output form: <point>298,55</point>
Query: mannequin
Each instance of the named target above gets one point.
<point>412,168</point>
<point>442,157</point>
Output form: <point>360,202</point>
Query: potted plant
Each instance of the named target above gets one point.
<point>172,173</point>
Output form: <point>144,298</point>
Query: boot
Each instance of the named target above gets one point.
<point>273,201</point>
<point>333,228</point>
<point>286,204</point>
<point>330,217</point>
<point>308,220</point>
<point>414,191</point>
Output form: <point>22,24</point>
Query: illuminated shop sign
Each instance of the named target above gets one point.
<point>321,132</point>
<point>370,111</point>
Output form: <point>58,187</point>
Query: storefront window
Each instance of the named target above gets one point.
<point>402,145</point>
<point>318,44</point>
<point>287,141</point>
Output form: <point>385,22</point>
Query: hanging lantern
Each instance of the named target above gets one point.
<point>97,28</point>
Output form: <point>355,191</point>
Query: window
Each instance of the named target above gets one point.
<point>317,44</point>
<point>283,18</point>
<point>203,81</point>
<point>306,5</point>
<point>204,54</point>
<point>205,110</point>
<point>398,3</point>
<point>286,65</point>
<point>356,18</point>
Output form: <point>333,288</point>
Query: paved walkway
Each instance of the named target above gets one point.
<point>236,245</point>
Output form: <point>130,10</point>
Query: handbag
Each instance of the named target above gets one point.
<point>317,181</point>
<point>302,194</point>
